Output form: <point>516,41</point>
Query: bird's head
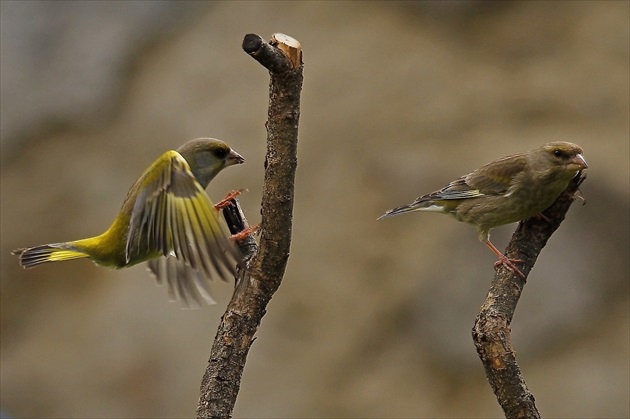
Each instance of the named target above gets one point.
<point>559,157</point>
<point>207,157</point>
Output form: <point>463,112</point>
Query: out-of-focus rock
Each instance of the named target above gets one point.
<point>65,64</point>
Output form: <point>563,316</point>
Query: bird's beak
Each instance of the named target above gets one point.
<point>579,161</point>
<point>234,158</point>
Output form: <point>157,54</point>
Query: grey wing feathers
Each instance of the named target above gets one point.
<point>184,283</point>
<point>458,189</point>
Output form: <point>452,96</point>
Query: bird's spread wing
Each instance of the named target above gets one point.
<point>183,282</point>
<point>174,215</point>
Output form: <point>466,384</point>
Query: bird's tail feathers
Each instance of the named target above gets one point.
<point>55,252</point>
<point>418,205</point>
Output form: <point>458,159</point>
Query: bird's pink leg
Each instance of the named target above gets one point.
<point>504,260</point>
<point>241,235</point>
<point>226,201</point>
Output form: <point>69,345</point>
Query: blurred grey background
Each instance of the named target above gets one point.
<point>373,319</point>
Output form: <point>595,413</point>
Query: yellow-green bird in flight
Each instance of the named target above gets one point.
<point>167,220</point>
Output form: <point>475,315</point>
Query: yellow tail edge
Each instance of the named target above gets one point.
<point>37,255</point>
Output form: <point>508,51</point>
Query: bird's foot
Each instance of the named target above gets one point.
<point>504,260</point>
<point>242,234</point>
<point>578,195</point>
<point>509,264</point>
<point>225,202</point>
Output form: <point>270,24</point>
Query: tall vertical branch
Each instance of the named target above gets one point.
<point>265,263</point>
<point>491,332</point>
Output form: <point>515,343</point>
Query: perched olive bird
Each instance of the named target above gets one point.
<point>505,191</point>
<point>166,213</point>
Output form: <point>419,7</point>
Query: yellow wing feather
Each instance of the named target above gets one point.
<point>173,216</point>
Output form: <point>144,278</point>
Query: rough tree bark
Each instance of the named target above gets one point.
<point>265,263</point>
<point>491,332</point>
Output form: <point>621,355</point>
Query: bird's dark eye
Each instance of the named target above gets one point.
<point>558,153</point>
<point>221,152</point>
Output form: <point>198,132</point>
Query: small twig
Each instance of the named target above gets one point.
<point>491,332</point>
<point>236,222</point>
<point>266,262</point>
